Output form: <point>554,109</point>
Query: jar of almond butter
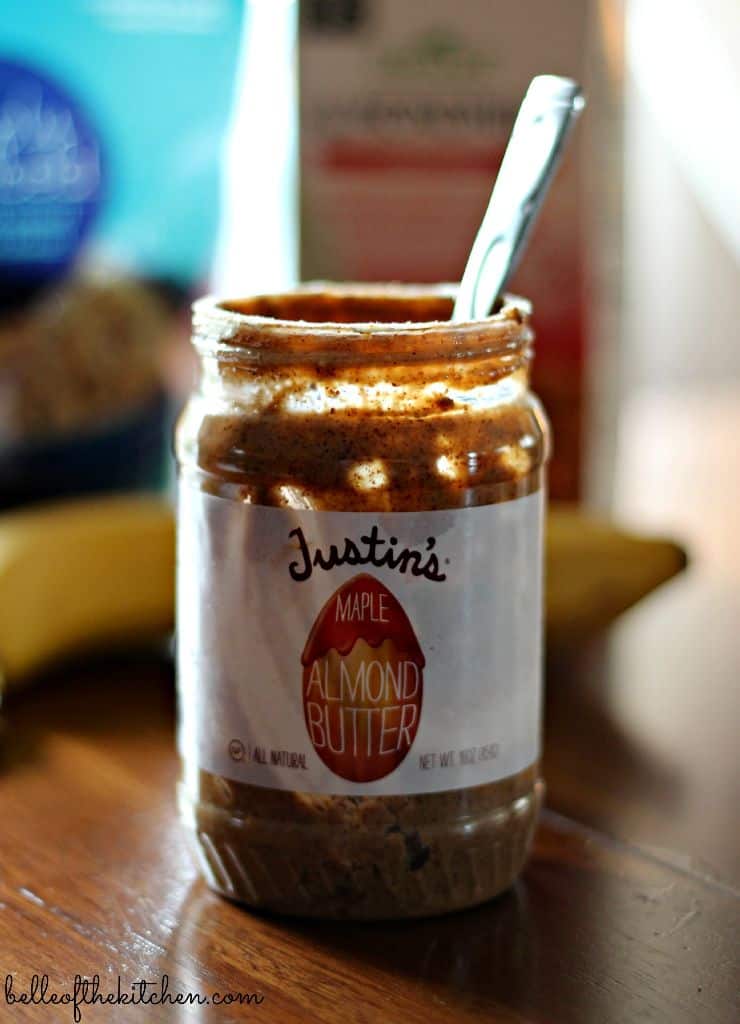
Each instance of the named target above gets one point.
<point>361,504</point>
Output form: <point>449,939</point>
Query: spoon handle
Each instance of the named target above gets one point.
<point>548,109</point>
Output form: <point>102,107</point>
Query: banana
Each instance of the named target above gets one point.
<point>594,572</point>
<point>84,574</point>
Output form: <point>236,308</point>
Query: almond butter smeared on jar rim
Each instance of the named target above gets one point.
<point>361,505</point>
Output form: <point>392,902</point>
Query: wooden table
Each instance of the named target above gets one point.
<point>628,911</point>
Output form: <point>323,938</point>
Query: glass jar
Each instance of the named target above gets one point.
<point>361,505</point>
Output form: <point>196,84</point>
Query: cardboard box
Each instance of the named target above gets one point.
<point>406,108</point>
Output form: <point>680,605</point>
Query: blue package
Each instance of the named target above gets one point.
<point>113,115</point>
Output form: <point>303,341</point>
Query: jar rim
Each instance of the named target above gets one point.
<point>247,328</point>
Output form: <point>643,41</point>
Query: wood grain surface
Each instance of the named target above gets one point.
<point>97,878</point>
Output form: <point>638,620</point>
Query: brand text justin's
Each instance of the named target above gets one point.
<point>369,549</point>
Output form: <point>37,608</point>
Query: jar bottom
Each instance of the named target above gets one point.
<point>333,872</point>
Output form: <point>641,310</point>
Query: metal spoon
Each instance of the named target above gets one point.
<point>550,106</point>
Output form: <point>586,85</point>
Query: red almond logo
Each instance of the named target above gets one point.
<point>362,681</point>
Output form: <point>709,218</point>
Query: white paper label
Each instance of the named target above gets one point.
<point>359,653</point>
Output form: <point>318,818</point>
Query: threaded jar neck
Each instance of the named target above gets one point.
<point>359,325</point>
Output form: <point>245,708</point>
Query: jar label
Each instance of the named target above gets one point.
<point>354,653</point>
